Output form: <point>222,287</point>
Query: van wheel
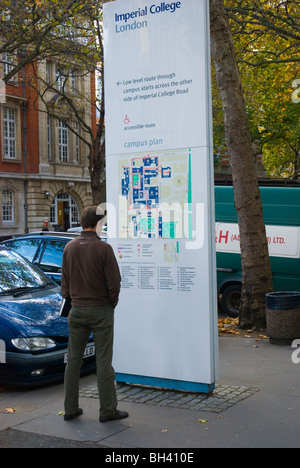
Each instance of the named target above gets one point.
<point>231,300</point>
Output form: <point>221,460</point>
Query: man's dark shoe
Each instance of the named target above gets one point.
<point>69,417</point>
<point>116,415</point>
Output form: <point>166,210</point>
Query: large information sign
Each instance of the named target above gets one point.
<point>160,191</point>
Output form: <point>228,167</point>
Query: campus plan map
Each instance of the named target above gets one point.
<point>153,192</point>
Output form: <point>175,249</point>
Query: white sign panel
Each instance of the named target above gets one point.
<point>157,57</point>
<point>283,241</point>
<point>160,190</point>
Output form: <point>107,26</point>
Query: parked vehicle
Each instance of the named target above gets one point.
<point>281,207</point>
<point>43,249</point>
<point>33,336</point>
<point>79,229</point>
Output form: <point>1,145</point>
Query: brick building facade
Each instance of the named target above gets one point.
<point>43,164</point>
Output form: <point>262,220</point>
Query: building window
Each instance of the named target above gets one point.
<point>74,215</point>
<point>61,78</point>
<point>49,138</point>
<point>9,133</point>
<point>8,64</point>
<point>7,206</point>
<point>48,72</point>
<point>77,128</point>
<point>63,141</point>
<point>73,81</point>
<point>53,214</point>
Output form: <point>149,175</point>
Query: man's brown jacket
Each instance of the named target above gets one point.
<point>90,273</point>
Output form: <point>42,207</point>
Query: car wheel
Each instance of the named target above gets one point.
<point>231,300</point>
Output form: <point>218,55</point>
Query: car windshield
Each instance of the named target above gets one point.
<point>16,273</point>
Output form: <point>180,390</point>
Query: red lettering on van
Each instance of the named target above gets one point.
<point>222,236</point>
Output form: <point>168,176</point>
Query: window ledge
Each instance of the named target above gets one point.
<point>11,160</point>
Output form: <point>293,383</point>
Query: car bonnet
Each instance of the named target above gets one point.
<point>33,317</point>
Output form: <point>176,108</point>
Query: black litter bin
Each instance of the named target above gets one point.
<point>283,317</point>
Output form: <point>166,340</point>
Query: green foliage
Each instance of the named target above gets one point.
<point>36,29</point>
<point>266,37</point>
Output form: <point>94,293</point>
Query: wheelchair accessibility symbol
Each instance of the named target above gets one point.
<point>126,120</point>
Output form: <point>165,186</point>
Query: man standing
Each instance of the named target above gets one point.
<point>91,278</point>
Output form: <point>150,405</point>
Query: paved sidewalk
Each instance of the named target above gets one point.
<point>222,398</point>
<point>256,404</point>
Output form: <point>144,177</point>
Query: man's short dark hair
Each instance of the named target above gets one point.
<point>91,216</point>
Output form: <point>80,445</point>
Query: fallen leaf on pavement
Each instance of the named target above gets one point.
<point>10,410</point>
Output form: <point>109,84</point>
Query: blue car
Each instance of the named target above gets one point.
<point>43,249</point>
<point>33,336</point>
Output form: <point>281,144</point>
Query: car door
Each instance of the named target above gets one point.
<point>51,258</point>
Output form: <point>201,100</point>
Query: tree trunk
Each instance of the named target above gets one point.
<point>296,164</point>
<point>97,164</point>
<point>257,275</point>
